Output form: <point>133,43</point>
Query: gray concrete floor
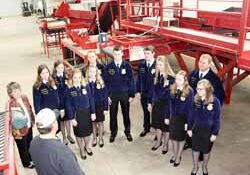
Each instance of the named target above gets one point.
<point>21,52</point>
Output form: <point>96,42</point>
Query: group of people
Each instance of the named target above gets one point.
<point>176,106</point>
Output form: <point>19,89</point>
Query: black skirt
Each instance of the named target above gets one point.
<point>84,124</point>
<point>201,140</point>
<point>177,128</point>
<point>158,116</point>
<point>99,111</point>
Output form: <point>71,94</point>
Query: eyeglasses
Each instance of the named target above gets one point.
<point>200,89</point>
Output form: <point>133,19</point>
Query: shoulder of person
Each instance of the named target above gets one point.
<point>217,101</point>
<point>194,73</point>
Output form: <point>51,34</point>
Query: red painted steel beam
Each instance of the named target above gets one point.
<point>240,77</point>
<point>226,69</point>
<point>228,88</point>
<point>181,62</point>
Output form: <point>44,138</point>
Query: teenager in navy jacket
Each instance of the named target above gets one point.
<point>146,74</point>
<point>100,95</point>
<point>60,78</point>
<point>180,110</point>
<point>159,103</point>
<point>120,83</point>
<point>93,60</point>
<point>80,108</point>
<point>204,123</point>
<point>45,92</point>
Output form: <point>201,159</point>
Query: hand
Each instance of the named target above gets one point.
<point>138,95</point>
<point>62,113</point>
<point>213,138</point>
<point>166,121</point>
<point>74,122</point>
<point>130,99</point>
<point>149,108</point>
<point>106,112</point>
<point>185,127</point>
<point>190,133</point>
<point>93,117</point>
<point>110,101</point>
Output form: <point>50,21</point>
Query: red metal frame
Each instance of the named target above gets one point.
<point>229,54</point>
<point>9,166</point>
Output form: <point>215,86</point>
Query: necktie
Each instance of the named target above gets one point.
<point>201,76</point>
<point>178,93</point>
<point>148,65</point>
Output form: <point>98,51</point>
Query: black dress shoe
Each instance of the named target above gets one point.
<point>90,153</point>
<point>94,143</point>
<point>71,140</point>
<point>129,137</point>
<point>164,151</point>
<point>154,148</point>
<point>172,160</point>
<point>101,143</point>
<point>83,156</point>
<point>143,133</point>
<point>177,164</point>
<point>30,166</point>
<point>111,139</point>
<point>65,142</point>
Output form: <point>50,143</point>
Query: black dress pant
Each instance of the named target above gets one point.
<point>146,120</point>
<point>23,146</point>
<point>121,98</point>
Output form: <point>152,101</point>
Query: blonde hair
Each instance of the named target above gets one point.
<point>99,79</point>
<point>76,71</point>
<point>209,92</point>
<point>167,68</point>
<point>206,56</point>
<point>38,81</point>
<point>97,58</point>
<point>186,87</point>
<point>11,87</point>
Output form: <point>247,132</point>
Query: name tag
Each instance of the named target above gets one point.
<point>123,71</point>
<point>73,93</point>
<point>44,91</point>
<point>84,91</point>
<point>153,71</point>
<point>142,70</point>
<point>111,71</point>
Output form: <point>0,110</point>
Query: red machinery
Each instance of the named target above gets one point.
<point>222,34</point>
<point>207,32</point>
<point>7,159</point>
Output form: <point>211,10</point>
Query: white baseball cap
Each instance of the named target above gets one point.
<point>45,118</point>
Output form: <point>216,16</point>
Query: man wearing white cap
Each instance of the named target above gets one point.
<point>50,156</point>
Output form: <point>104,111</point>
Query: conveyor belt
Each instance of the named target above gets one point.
<point>2,137</point>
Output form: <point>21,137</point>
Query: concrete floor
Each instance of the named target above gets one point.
<point>21,52</point>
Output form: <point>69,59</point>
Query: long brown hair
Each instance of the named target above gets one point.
<point>167,68</point>
<point>38,81</point>
<point>209,92</point>
<point>186,87</point>
<point>99,79</point>
<point>57,63</point>
<point>70,80</point>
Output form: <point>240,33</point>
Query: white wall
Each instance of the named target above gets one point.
<point>10,7</point>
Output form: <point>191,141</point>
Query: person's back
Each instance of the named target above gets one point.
<point>50,156</point>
